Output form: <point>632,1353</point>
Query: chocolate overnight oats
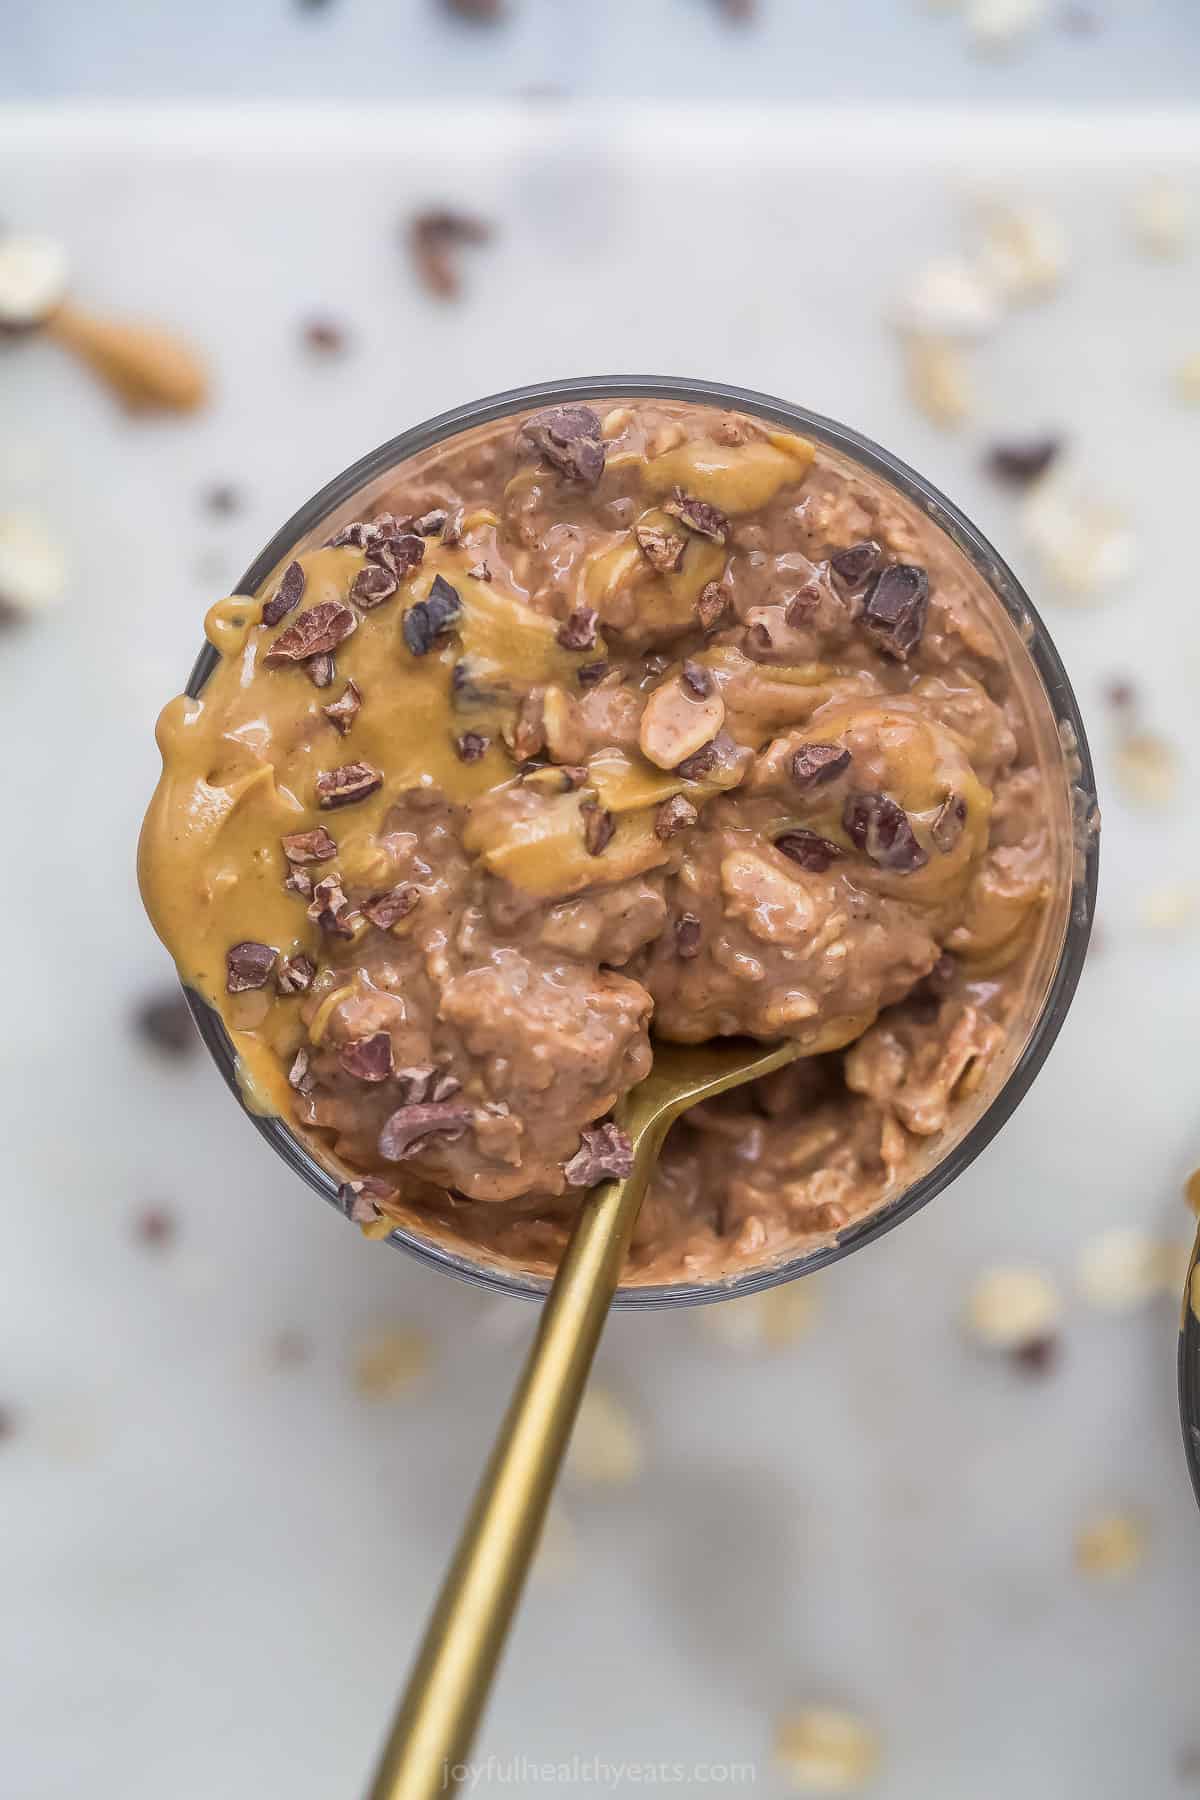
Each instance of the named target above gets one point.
<point>612,720</point>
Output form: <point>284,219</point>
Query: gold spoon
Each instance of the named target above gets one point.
<point>451,1677</point>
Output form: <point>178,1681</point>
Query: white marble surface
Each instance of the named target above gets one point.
<point>214,1568</point>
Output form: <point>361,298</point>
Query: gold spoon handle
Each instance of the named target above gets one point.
<point>435,1725</point>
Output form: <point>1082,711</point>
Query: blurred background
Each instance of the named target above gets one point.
<point>920,1525</point>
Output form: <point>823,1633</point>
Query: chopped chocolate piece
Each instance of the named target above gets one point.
<point>248,965</point>
<point>705,520</point>
<point>471,746</point>
<point>815,764</point>
<point>712,605</point>
<point>528,734</point>
<point>321,670</point>
<point>155,1227</point>
<point>673,816</point>
<point>425,622</point>
<point>578,630</point>
<point>896,608</point>
<point>415,1085</point>
<point>222,499</point>
<point>298,1074</point>
<point>598,828</point>
<point>342,713</point>
<point>801,606</point>
<point>405,1132</point>
<point>568,438</point>
<point>434,237</point>
<point>853,565</point>
<point>300,882</point>
<point>808,848</point>
<point>696,679</point>
<point>947,827</point>
<point>479,572</point>
<point>688,933</point>
<point>1021,464</point>
<point>373,585</point>
<point>330,908</point>
<point>286,595</point>
<point>663,550</point>
<point>605,1153</point>
<point>386,910</point>
<point>342,787</point>
<point>358,534</point>
<point>368,1059</point>
<point>1038,1355</point>
<point>295,975</point>
<point>360,1200</point>
<point>320,629</point>
<point>876,825</point>
<point>431,523</point>
<point>166,1023</point>
<point>325,336</point>
<point>308,846</point>
<point>696,766</point>
<point>591,673</point>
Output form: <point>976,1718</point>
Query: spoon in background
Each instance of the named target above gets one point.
<point>452,1675</point>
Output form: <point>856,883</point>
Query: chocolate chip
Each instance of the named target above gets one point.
<point>399,552</point>
<point>598,828</point>
<point>222,499</point>
<point>1021,464</point>
<point>663,550</point>
<point>295,975</point>
<point>342,713</point>
<point>321,670</point>
<point>712,605</point>
<point>853,565</point>
<point>479,572</point>
<point>434,239</point>
<point>705,520</point>
<point>815,764</point>
<point>373,585</point>
<point>322,628</point>
<point>298,1075</point>
<point>166,1023</point>
<point>808,848</point>
<point>405,1131</point>
<point>386,910</point>
<point>688,933</point>
<point>1038,1355</point>
<point>591,673</point>
<point>330,909</point>
<point>578,629</point>
<point>344,786</point>
<point>605,1153</point>
<point>369,1058</point>
<point>325,336</point>
<point>308,846</point>
<point>286,595</point>
<point>876,825</point>
<point>471,746</point>
<point>425,622</point>
<point>248,965</point>
<point>568,438</point>
<point>696,679</point>
<point>948,825</point>
<point>673,816</point>
<point>696,766</point>
<point>896,607</point>
<point>155,1227</point>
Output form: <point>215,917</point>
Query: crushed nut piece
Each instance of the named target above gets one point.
<point>390,1363</point>
<point>1111,1544</point>
<point>823,1750</point>
<point>342,713</point>
<point>1009,1307</point>
<point>1162,218</point>
<point>938,382</point>
<point>33,571</point>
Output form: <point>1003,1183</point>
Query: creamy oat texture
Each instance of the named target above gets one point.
<point>595,722</point>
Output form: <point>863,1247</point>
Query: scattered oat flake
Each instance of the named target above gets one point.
<point>1146,769</point>
<point>33,571</point>
<point>1022,250</point>
<point>949,298</point>
<point>997,26</point>
<point>390,1363</point>
<point>768,1321</point>
<point>938,379</point>
<point>1008,1307</point>
<point>824,1750</point>
<point>606,1446</point>
<point>1187,379</point>
<point>1110,1544</point>
<point>1171,907</point>
<point>1161,217</point>
<point>1083,541</point>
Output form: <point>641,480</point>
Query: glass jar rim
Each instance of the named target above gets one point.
<point>1059,695</point>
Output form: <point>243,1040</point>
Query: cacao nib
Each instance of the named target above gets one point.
<point>344,786</point>
<point>342,713</point>
<point>430,524</point>
<point>815,764</point>
<point>712,605</point>
<point>434,239</point>
<point>598,829</point>
<point>308,846</point>
<point>369,1058</point>
<point>663,550</point>
<point>853,565</point>
<point>479,572</point>
<point>299,881</point>
<point>578,630</point>
<point>295,975</point>
<point>248,965</point>
<point>330,909</point>
<point>425,622</point>
<point>605,1153</point>
<point>360,1200</point>
<point>321,670</point>
<point>705,520</point>
<point>568,438</point>
<point>688,933</point>
<point>876,825</point>
<point>897,606</point>
<point>591,673</point>
<point>406,1130</point>
<point>673,816</point>
<point>320,629</point>
<point>948,825</point>
<point>799,611</point>
<point>696,766</point>
<point>298,1075</point>
<point>373,585</point>
<point>286,595</point>
<point>696,679</point>
<point>809,849</point>
<point>386,910</point>
<point>471,746</point>
<point>398,552</point>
